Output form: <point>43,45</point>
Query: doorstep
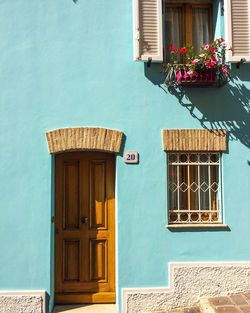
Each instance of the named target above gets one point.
<point>86,308</point>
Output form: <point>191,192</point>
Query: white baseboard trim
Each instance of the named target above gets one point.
<point>6,296</point>
<point>188,282</point>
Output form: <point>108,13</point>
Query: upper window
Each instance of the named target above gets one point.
<point>191,23</point>
<point>194,188</point>
<point>187,24</point>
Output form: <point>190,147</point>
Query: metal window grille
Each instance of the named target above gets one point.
<point>194,188</point>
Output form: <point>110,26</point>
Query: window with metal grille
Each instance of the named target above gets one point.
<point>194,188</point>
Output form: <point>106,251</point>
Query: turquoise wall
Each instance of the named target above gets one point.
<point>65,64</point>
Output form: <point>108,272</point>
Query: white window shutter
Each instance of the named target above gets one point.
<point>237,22</point>
<point>148,30</point>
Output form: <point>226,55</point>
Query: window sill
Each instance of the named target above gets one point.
<point>179,227</point>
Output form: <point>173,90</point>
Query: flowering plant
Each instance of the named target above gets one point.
<point>209,64</point>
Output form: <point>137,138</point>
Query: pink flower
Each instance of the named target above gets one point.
<point>192,74</point>
<point>178,75</point>
<point>224,69</point>
<point>212,49</point>
<point>172,48</point>
<point>183,50</point>
<point>213,58</point>
<point>206,47</point>
<point>210,64</point>
<point>186,75</point>
<point>194,62</point>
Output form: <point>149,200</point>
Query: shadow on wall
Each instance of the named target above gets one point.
<point>226,107</point>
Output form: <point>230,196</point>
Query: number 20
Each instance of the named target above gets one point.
<point>130,157</point>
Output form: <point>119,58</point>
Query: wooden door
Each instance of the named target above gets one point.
<point>84,228</point>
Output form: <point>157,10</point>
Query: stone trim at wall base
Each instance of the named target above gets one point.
<point>189,282</point>
<point>22,301</point>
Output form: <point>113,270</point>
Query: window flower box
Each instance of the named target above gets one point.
<point>203,78</point>
<point>205,70</point>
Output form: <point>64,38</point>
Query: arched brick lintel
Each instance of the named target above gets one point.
<point>84,138</point>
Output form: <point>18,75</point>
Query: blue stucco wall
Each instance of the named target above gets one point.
<point>66,64</point>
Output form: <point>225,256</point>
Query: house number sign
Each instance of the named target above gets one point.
<point>131,157</point>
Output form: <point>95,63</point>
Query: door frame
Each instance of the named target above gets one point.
<point>87,297</point>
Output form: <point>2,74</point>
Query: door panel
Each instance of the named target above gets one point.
<point>71,195</point>
<point>98,261</point>
<point>97,183</point>
<point>71,258</point>
<point>84,228</point>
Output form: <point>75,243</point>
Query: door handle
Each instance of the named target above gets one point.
<point>84,220</point>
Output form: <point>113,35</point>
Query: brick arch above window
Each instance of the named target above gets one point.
<point>84,138</point>
<point>194,140</point>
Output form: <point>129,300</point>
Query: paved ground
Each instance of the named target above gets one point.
<point>235,303</point>
<point>194,309</point>
<point>93,308</point>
